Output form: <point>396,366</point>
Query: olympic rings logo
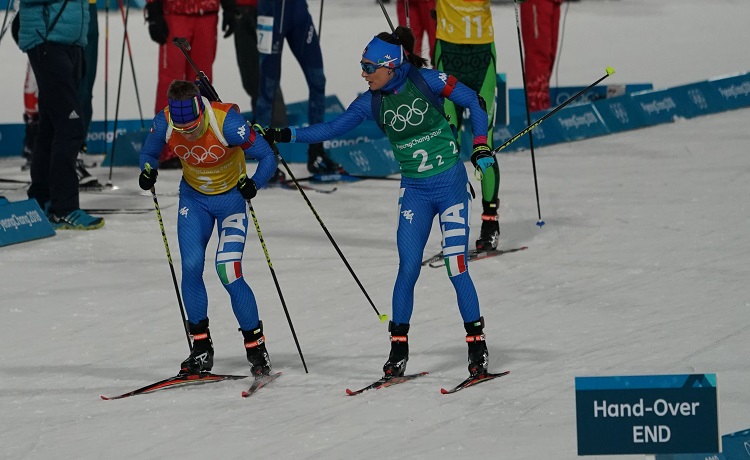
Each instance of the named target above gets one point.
<point>406,115</point>
<point>198,155</point>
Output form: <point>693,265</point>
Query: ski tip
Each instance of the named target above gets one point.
<point>245,394</point>
<point>444,391</point>
<point>104,398</point>
<point>349,392</point>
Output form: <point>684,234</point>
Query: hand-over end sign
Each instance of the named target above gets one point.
<point>653,414</point>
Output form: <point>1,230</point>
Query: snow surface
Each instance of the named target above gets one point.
<point>641,268</point>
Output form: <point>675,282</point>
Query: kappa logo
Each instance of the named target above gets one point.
<point>241,131</point>
<point>184,211</point>
<point>408,214</point>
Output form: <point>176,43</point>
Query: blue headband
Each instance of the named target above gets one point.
<point>186,110</point>
<point>383,53</point>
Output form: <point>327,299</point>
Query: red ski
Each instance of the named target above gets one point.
<point>178,380</point>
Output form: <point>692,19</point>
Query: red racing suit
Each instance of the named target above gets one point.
<point>540,20</point>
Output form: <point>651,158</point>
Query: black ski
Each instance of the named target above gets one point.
<point>289,185</point>
<point>471,381</point>
<point>178,380</point>
<point>474,254</point>
<point>385,382</point>
<point>431,260</point>
<point>259,383</point>
<point>119,210</point>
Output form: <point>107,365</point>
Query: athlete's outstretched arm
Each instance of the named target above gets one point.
<point>357,112</point>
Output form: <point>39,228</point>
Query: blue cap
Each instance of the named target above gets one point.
<point>186,110</point>
<point>383,53</point>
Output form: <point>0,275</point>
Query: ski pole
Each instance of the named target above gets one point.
<point>520,134</point>
<point>124,12</point>
<point>387,18</point>
<point>406,9</point>
<point>184,45</point>
<point>320,21</point>
<point>117,102</point>
<point>171,265</point>
<point>383,318</point>
<point>540,222</point>
<point>275,280</point>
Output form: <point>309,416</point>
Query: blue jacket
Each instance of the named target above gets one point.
<point>59,21</point>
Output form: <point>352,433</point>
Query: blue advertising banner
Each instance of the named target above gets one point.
<point>22,221</point>
<point>579,122</point>
<point>737,445</point>
<point>371,159</point>
<point>560,94</point>
<point>661,414</point>
<point>734,90</point>
<point>621,114</point>
<point>656,106</point>
<point>699,99</point>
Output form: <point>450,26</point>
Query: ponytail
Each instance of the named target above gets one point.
<point>404,37</point>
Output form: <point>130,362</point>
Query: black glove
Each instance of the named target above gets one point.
<point>229,16</point>
<point>157,26</point>
<point>147,179</point>
<point>247,187</point>
<point>277,135</point>
<point>482,157</point>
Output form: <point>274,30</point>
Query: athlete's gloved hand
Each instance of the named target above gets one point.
<point>229,16</point>
<point>277,135</point>
<point>147,179</point>
<point>482,157</point>
<point>157,25</point>
<point>247,187</point>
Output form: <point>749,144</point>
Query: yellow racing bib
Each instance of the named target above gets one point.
<point>466,22</point>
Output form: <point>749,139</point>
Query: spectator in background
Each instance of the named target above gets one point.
<point>31,98</point>
<point>242,22</point>
<point>90,57</point>
<point>467,51</point>
<point>421,21</point>
<point>540,20</point>
<point>195,20</point>
<point>53,36</point>
<point>290,19</point>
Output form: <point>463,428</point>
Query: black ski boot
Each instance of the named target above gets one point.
<point>396,364</point>
<point>478,354</point>
<point>257,355</point>
<point>85,180</point>
<point>489,235</point>
<point>201,359</point>
<point>318,161</point>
